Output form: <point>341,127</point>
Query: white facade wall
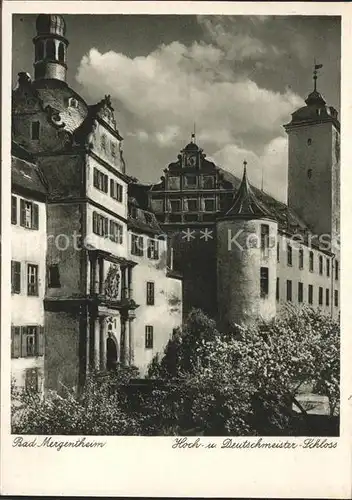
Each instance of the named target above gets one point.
<point>28,246</point>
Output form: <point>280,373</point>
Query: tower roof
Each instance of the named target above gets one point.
<point>245,201</point>
<point>316,110</point>
<point>50,24</point>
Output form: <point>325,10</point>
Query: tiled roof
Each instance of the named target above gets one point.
<point>287,219</point>
<point>26,175</point>
<point>56,94</point>
<point>144,221</point>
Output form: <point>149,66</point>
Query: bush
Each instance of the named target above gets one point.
<point>101,408</point>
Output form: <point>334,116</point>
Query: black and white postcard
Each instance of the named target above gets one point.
<point>175,249</point>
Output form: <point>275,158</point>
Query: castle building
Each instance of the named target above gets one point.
<point>107,292</point>
<point>284,253</point>
<point>98,281</point>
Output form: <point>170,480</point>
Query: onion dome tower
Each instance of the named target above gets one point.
<point>246,260</point>
<point>50,48</point>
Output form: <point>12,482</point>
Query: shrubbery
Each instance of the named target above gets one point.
<point>243,383</point>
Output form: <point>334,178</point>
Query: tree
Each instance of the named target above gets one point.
<point>246,383</point>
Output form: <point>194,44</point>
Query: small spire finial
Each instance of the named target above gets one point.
<point>193,136</point>
<point>244,166</point>
<point>315,73</point>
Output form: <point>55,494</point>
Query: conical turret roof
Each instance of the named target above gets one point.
<point>245,203</point>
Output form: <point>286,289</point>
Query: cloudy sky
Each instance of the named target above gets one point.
<point>238,78</point>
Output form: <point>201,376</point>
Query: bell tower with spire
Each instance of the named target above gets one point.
<point>50,46</point>
<point>314,163</point>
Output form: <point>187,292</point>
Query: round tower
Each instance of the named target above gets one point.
<point>50,47</point>
<point>246,260</point>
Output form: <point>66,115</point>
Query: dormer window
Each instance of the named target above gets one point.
<point>72,102</point>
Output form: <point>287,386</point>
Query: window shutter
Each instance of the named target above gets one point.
<point>95,229</point>
<point>13,276</point>
<point>111,188</point>
<point>15,341</point>
<point>13,210</point>
<point>17,277</point>
<point>106,226</point>
<point>23,213</point>
<point>35,220</point>
<point>120,193</point>
<point>41,340</point>
<point>95,177</point>
<point>106,179</point>
<point>24,341</point>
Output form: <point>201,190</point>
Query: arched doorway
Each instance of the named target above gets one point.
<point>111,354</point>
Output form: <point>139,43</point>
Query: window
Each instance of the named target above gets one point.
<point>103,142</point>
<point>209,204</point>
<point>116,232</point>
<point>309,142</point>
<point>137,245</point>
<point>116,190</point>
<point>320,296</point>
<point>190,181</point>
<point>336,298</point>
<point>320,264</point>
<point>150,293</point>
<point>174,183</point>
<point>311,261</point>
<point>309,173</point>
<point>289,290</point>
<point>61,53</point>
<point>13,210</point>
<point>100,180</point>
<point>32,279</point>
<point>301,258</point>
<point>327,297</point>
<point>50,49</point>
<point>264,282</point>
<point>289,254</point>
<point>310,294</point>
<point>35,129</point>
<point>264,238</point>
<point>39,50</point>
<point>278,251</point>
<point>175,205</point>
<point>277,288</point>
<point>336,269</point>
<point>327,266</point>
<point>300,292</point>
<point>27,341</point>
<point>15,277</point>
<point>153,249</point>
<point>54,276</point>
<point>72,102</point>
<point>149,337</point>
<point>157,205</point>
<point>208,182</point>
<point>100,224</point>
<point>192,205</point>
<point>29,214</point>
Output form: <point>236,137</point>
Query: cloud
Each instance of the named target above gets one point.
<point>269,166</point>
<point>170,88</point>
